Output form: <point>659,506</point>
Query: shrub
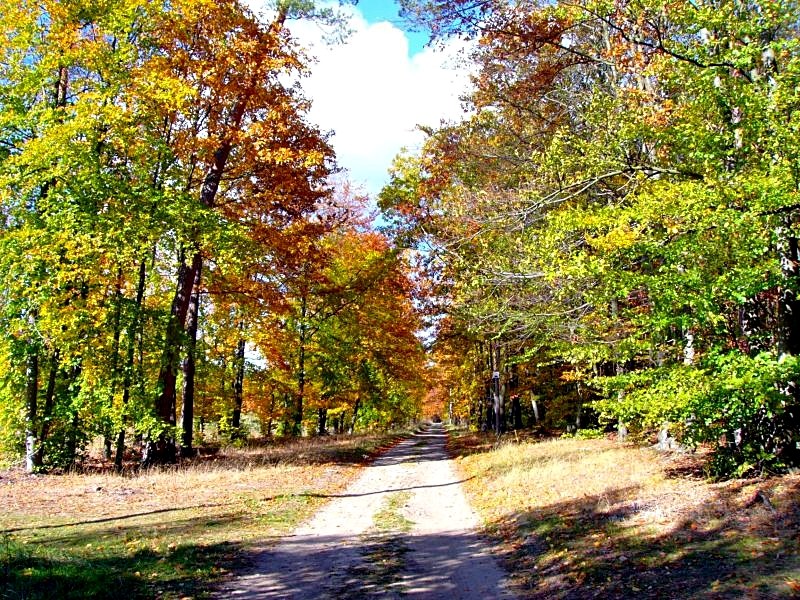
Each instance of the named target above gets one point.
<point>746,406</point>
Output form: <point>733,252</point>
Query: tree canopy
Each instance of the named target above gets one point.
<point>615,226</point>
<point>173,247</point>
<point>609,239</point>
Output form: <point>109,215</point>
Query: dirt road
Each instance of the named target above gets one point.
<point>402,529</point>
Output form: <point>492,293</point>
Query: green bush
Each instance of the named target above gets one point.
<point>586,434</point>
<point>746,406</point>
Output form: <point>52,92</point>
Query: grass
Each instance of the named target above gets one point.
<point>383,547</point>
<point>596,519</point>
<point>171,533</point>
<point>390,516</point>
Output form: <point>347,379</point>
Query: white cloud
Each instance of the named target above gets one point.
<point>372,95</point>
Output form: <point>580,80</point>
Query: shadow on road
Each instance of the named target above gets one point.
<point>426,445</point>
<point>334,567</point>
<point>386,491</point>
<point>365,544</point>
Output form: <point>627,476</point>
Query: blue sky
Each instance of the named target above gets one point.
<point>375,11</point>
<point>374,90</point>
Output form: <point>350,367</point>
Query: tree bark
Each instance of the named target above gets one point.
<point>788,426</point>
<point>297,419</point>
<point>72,436</point>
<point>271,412</point>
<point>516,411</point>
<point>789,310</point>
<point>238,384</point>
<point>497,390</point>
<point>622,428</point>
<point>355,416</point>
<point>47,410</point>
<point>488,421</point>
<point>115,358</point>
<point>189,370</point>
<point>72,440</point>
<point>32,364</point>
<point>162,449</point>
<point>127,377</point>
<point>31,400</point>
<point>535,407</point>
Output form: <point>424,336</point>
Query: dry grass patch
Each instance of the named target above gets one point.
<point>592,518</point>
<point>167,533</point>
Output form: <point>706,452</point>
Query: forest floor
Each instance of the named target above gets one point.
<point>581,519</point>
<point>167,533</point>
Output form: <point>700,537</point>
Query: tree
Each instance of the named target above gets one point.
<point>134,133</point>
<point>76,201</point>
<point>241,122</point>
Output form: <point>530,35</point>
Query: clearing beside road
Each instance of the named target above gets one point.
<point>579,519</point>
<point>165,533</point>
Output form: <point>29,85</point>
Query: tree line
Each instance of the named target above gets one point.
<point>612,232</point>
<point>174,247</point>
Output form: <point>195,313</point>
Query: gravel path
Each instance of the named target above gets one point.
<point>402,529</point>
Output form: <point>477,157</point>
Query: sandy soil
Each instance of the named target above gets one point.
<point>402,529</point>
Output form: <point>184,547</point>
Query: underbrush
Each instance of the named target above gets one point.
<point>163,533</point>
<point>578,518</point>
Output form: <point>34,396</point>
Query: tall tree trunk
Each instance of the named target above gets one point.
<point>322,421</point>
<point>297,421</point>
<point>238,383</point>
<point>189,369</point>
<point>72,436</point>
<point>497,390</point>
<point>622,427</point>
<point>516,411</point>
<point>271,412</point>
<point>356,407</point>
<point>450,406</point>
<point>72,439</point>
<point>787,428</point>
<point>488,422</point>
<point>47,409</point>
<point>535,407</point>
<point>127,377</point>
<point>32,363</point>
<point>31,400</point>
<point>117,327</point>
<point>162,449</point>
<point>288,403</point>
<point>789,309</point>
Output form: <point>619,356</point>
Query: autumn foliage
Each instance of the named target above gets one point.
<point>174,254</point>
<point>613,230</point>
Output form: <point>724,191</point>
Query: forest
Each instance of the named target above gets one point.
<point>613,230</point>
<point>176,251</point>
<point>607,242</point>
